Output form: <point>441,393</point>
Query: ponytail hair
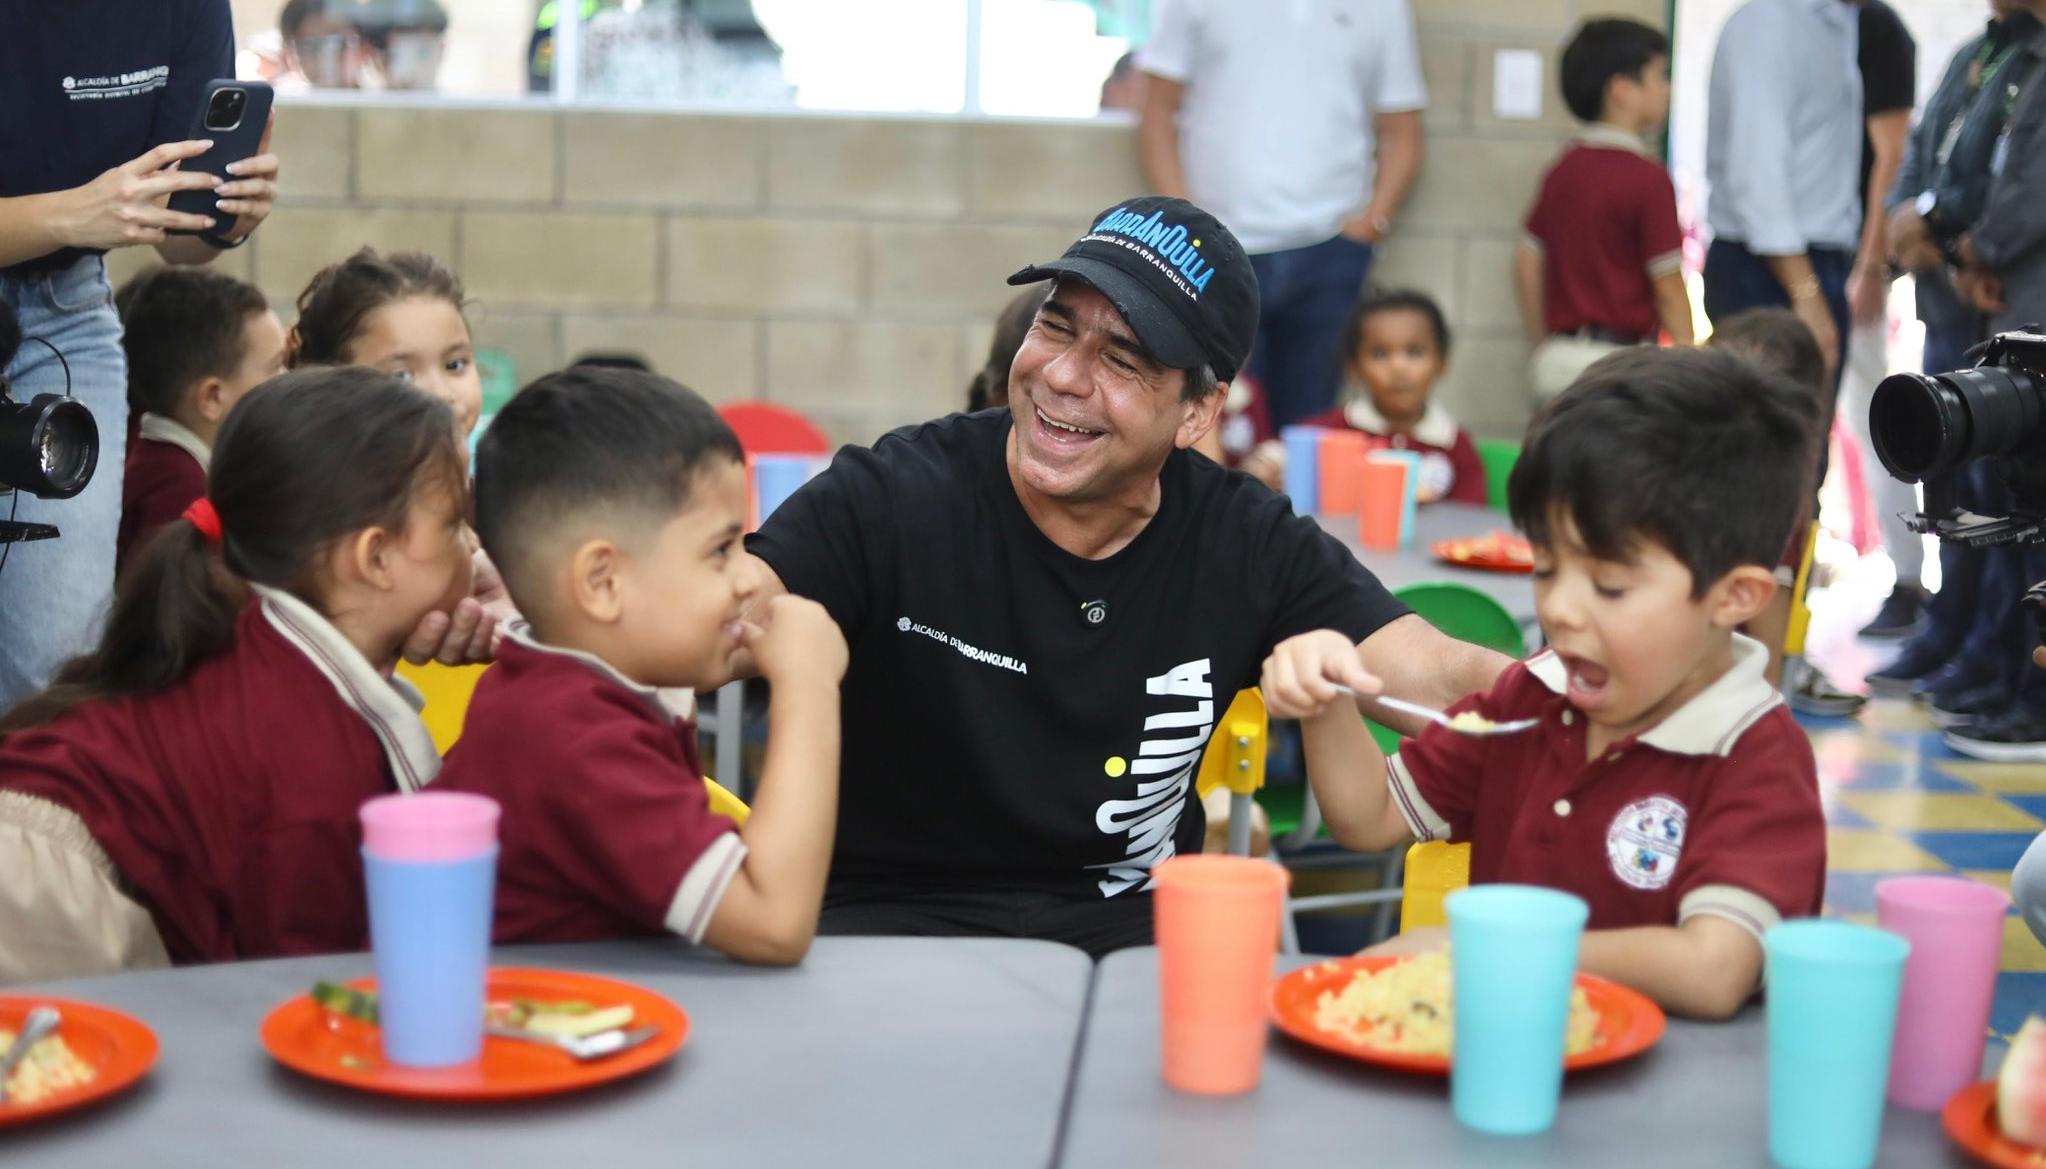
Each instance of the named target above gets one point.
<point>334,303</point>
<point>305,460</point>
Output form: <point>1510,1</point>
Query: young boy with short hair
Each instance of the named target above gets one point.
<point>1665,782</point>
<point>196,341</point>
<point>1600,262</point>
<point>613,502</point>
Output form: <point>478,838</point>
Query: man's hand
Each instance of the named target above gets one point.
<point>1365,227</point>
<point>1424,940</point>
<point>1301,676</point>
<point>126,205</point>
<point>2039,657</point>
<point>1981,288</point>
<point>1810,306</point>
<point>249,194</point>
<point>1912,242</point>
<point>1868,292</point>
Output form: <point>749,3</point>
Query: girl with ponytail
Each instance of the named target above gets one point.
<point>187,791</point>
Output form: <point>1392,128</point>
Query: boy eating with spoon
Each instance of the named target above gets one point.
<point>1664,781</point>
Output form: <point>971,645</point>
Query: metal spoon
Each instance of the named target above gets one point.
<point>41,1022</point>
<point>1441,719</point>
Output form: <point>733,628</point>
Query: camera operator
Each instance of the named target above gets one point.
<point>1958,662</point>
<point>97,99</point>
<point>2001,261</point>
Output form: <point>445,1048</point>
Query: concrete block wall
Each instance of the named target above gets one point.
<point>849,267</point>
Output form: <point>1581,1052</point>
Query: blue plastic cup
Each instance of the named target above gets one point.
<point>776,477</point>
<point>431,866</point>
<point>1303,467</point>
<point>1833,989</point>
<point>1513,962</point>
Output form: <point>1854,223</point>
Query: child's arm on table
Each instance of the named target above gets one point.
<point>1344,764</point>
<point>1705,968</point>
<point>769,912</point>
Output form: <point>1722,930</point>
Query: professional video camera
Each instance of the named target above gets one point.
<point>1926,427</point>
<point>49,447</point>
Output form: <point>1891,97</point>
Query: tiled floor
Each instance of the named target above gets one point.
<point>1900,802</point>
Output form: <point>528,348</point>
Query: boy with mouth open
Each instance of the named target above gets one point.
<point>1666,783</point>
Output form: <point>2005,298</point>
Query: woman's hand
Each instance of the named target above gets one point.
<point>249,194</point>
<point>126,205</point>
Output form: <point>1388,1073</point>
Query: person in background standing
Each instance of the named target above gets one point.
<point>98,98</point>
<point>1299,124</point>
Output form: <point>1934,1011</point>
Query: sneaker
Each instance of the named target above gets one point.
<point>1957,677</point>
<point>2016,736</point>
<point>1912,665</point>
<point>1810,692</point>
<point>1966,706</point>
<point>1902,614</point>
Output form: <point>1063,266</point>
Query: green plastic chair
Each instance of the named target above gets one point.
<point>1498,455</point>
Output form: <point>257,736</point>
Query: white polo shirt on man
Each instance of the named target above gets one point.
<point>1275,129</point>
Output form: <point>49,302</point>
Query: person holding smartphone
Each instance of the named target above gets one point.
<point>97,98</point>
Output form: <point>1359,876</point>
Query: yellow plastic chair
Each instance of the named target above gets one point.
<point>1433,871</point>
<point>448,689</point>
<point>1235,759</point>
<point>1800,613</point>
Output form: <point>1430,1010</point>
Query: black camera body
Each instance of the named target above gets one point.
<point>49,446</point>
<point>1925,428</point>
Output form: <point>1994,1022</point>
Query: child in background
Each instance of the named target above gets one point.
<point>614,502</point>
<point>196,340</point>
<point>1665,784</point>
<point>990,387</point>
<point>1600,266</point>
<point>401,314</point>
<point>188,790</point>
<point>1395,351</point>
<point>1774,339</point>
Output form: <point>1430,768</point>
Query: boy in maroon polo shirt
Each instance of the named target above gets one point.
<point>1600,263</point>
<point>613,501</point>
<point>1665,782</point>
<point>196,340</point>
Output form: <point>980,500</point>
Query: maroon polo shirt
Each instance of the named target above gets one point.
<point>159,481</point>
<point>1714,810</point>
<point>1605,220</point>
<point>228,801</point>
<point>607,828</point>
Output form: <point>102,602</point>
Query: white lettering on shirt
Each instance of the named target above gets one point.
<point>1172,746</point>
<point>969,652</point>
<point>116,85</point>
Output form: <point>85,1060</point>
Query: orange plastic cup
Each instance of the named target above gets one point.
<point>1218,930</point>
<point>1341,461</point>
<point>1384,503</point>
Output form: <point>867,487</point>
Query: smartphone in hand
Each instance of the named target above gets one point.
<point>232,114</point>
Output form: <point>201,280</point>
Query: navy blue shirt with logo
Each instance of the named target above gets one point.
<point>86,85</point>
<point>1020,718</point>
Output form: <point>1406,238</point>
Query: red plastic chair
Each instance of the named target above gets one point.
<point>765,428</point>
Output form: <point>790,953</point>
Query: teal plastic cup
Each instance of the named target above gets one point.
<point>1513,962</point>
<point>1833,989</point>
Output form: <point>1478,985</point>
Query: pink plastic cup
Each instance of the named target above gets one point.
<point>1342,472</point>
<point>1955,927</point>
<point>430,827</point>
<point>1218,933</point>
<point>1383,505</point>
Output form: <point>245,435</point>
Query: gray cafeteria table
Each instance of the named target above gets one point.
<point>1414,564</point>
<point>875,1051</point>
<point>1698,1098</point>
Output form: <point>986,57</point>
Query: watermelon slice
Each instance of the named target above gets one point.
<point>2021,1086</point>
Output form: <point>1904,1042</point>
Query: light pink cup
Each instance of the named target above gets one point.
<point>429,827</point>
<point>1955,927</point>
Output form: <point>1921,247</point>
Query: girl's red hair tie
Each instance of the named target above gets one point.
<point>204,518</point>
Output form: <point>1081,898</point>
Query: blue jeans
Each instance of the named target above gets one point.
<point>54,593</point>
<point>1305,296</point>
<point>1737,279</point>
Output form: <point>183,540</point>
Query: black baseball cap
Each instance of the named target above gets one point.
<point>1175,274</point>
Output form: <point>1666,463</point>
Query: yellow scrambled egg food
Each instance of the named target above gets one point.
<point>50,1068</point>
<point>1406,1008</point>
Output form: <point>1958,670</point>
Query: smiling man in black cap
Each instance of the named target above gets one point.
<point>1049,607</point>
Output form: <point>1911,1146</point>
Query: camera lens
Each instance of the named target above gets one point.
<point>1926,426</point>
<point>224,112</point>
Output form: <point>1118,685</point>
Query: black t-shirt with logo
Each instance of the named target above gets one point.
<point>86,85</point>
<point>1018,717</point>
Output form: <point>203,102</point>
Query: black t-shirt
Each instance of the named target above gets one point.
<point>997,734</point>
<point>86,85</point>
<point>1889,72</point>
